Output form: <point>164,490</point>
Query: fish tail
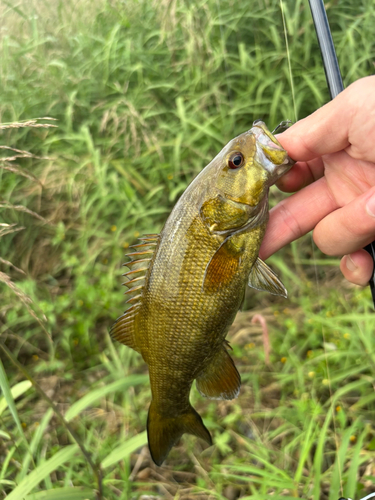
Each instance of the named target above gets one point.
<point>164,432</point>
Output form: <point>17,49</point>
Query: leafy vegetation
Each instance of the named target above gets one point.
<point>145,94</point>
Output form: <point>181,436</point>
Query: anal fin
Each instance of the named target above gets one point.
<point>220,379</point>
<point>262,278</point>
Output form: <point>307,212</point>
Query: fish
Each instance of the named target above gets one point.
<point>186,284</point>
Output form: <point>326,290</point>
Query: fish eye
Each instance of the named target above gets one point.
<point>236,160</point>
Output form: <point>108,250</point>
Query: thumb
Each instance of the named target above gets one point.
<point>342,123</point>
<point>357,267</point>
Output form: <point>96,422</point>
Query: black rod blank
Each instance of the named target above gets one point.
<point>330,62</point>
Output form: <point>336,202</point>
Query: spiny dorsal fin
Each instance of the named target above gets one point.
<point>262,278</point>
<point>141,255</point>
<point>220,379</point>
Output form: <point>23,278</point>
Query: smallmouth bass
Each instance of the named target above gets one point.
<point>187,284</point>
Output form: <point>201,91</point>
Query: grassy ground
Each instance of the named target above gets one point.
<point>145,94</point>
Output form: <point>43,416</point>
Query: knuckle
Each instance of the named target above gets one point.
<point>290,221</point>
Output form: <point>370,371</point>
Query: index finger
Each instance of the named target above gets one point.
<point>297,215</point>
<point>332,127</point>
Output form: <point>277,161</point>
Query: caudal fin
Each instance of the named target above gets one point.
<point>163,433</point>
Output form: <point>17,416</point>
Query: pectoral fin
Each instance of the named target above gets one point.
<point>220,379</point>
<point>222,267</point>
<point>262,278</point>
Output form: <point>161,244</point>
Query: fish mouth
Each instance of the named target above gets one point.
<point>270,153</point>
<point>277,171</point>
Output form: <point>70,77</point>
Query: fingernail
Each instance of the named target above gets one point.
<point>350,264</point>
<point>370,206</point>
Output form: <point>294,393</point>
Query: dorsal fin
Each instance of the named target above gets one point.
<point>141,255</point>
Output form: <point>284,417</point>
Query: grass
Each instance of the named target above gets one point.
<point>145,94</point>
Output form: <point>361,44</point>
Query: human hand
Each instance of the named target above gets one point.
<point>335,180</point>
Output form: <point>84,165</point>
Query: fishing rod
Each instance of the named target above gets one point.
<point>335,86</point>
<point>334,82</point>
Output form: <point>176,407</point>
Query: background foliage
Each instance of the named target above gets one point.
<point>145,94</point>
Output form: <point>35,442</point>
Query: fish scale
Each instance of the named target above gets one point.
<point>187,286</point>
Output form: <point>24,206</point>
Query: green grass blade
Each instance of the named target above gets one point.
<point>124,450</point>
<point>4,385</point>
<point>63,494</point>
<point>91,397</point>
<point>308,443</point>
<point>319,456</point>
<point>337,472</point>
<point>4,435</point>
<point>353,472</point>
<point>16,391</point>
<point>7,459</point>
<point>38,434</point>
<point>41,472</point>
